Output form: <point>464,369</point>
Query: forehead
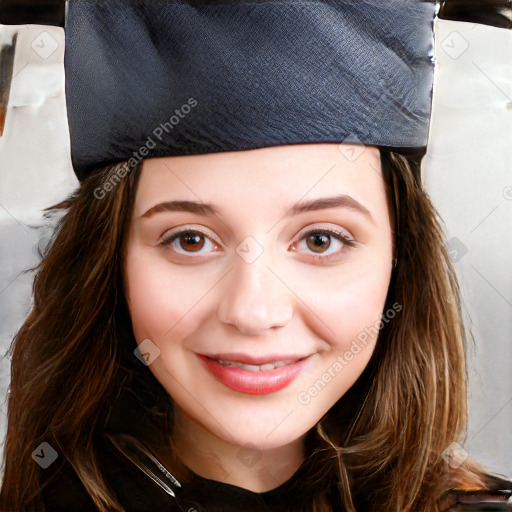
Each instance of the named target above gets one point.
<point>273,174</point>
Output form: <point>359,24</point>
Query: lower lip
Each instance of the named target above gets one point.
<point>255,383</point>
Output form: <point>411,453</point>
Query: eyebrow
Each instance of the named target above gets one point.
<point>204,209</point>
<point>182,206</point>
<point>323,203</point>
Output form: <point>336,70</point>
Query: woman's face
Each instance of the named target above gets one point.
<point>255,280</point>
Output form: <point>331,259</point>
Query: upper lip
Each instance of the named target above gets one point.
<point>256,360</point>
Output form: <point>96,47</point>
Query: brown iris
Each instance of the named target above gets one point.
<point>191,242</point>
<point>318,242</point>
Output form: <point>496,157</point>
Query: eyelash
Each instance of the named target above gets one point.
<point>167,240</point>
<point>319,258</point>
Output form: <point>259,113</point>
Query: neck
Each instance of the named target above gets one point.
<point>244,466</point>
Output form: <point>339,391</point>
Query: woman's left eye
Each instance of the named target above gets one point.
<point>322,243</point>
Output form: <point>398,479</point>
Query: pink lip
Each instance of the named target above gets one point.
<point>259,382</point>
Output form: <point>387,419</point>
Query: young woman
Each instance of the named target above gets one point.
<point>269,329</point>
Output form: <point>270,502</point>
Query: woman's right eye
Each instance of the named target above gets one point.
<point>189,241</point>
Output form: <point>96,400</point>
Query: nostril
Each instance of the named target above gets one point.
<point>252,323</point>
<point>253,301</point>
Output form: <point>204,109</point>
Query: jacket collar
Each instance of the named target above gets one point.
<point>134,409</point>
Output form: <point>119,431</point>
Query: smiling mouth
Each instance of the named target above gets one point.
<point>257,368</point>
<point>243,374</point>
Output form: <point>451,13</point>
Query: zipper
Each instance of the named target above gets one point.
<point>141,456</point>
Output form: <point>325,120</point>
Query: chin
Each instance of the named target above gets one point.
<point>258,435</point>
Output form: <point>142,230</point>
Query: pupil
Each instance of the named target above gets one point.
<point>192,241</point>
<point>319,242</point>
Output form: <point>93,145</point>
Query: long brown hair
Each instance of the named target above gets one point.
<point>384,439</point>
<point>66,362</point>
<point>415,407</point>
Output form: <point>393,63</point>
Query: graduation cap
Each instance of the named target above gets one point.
<point>151,78</point>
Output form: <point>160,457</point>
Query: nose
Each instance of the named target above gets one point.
<point>254,299</point>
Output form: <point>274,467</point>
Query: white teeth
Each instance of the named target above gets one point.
<point>249,367</point>
<point>256,368</point>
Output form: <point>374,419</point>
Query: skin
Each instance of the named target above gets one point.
<point>294,298</point>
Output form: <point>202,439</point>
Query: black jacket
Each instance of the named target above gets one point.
<point>137,493</point>
<point>142,484</point>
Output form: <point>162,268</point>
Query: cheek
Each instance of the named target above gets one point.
<point>361,304</point>
<point>161,304</point>
<point>348,303</point>
<point>348,318</point>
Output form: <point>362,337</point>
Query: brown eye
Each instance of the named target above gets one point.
<point>318,242</point>
<point>191,242</point>
<point>324,245</point>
